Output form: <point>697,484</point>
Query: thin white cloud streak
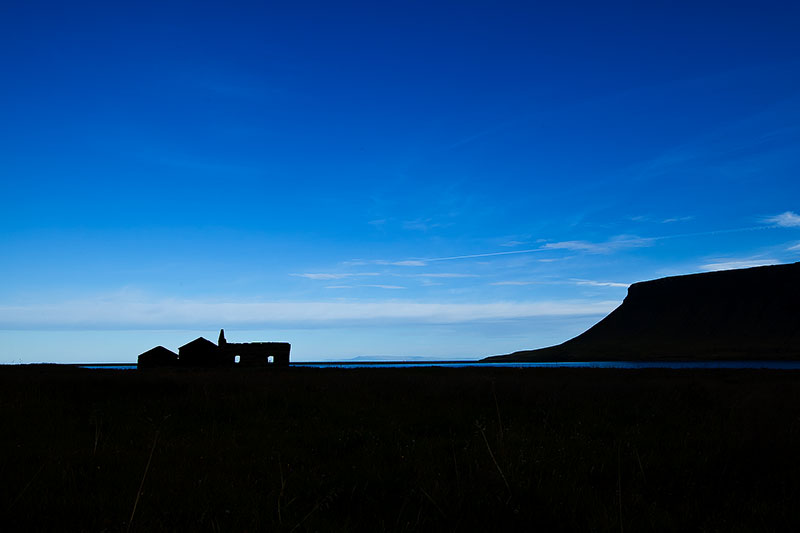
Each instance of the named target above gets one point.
<point>422,225</point>
<point>331,276</point>
<point>593,283</point>
<point>408,262</point>
<point>587,282</point>
<point>322,276</point>
<point>446,275</point>
<point>600,248</point>
<point>677,219</point>
<point>789,219</point>
<point>103,313</point>
<point>577,245</point>
<point>648,218</point>
<point>737,263</point>
<point>586,246</point>
<point>795,248</point>
<point>488,254</point>
<point>386,262</point>
<point>425,261</point>
<point>374,286</point>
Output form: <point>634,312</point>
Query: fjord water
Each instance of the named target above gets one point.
<point>773,365</point>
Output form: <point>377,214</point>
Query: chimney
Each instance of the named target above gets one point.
<point>222,341</point>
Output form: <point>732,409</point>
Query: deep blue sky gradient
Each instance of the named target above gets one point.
<point>307,171</point>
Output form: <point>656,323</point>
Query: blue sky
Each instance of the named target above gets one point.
<point>442,179</point>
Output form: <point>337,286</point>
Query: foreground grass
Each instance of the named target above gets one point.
<point>399,449</point>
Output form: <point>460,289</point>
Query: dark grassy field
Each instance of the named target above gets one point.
<point>399,449</point>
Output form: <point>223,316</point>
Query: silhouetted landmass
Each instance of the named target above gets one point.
<point>741,314</point>
<point>420,449</point>
<point>201,352</point>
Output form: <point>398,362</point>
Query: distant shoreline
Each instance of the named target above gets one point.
<point>678,364</point>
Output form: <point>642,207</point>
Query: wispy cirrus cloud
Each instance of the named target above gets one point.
<point>327,276</point>
<point>406,262</point>
<point>677,219</point>
<point>423,224</point>
<point>386,262</point>
<point>373,286</point>
<point>120,313</point>
<point>795,248</point>
<point>669,220</point>
<point>618,243</point>
<point>789,219</point>
<point>615,244</point>
<point>445,275</point>
<point>322,276</point>
<point>593,283</point>
<point>485,254</point>
<point>587,282</point>
<point>577,246</point>
<point>729,264</point>
<point>606,247</point>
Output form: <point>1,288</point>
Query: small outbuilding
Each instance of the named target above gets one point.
<point>203,352</point>
<point>157,357</point>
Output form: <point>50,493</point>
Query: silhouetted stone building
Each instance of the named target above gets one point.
<point>157,357</point>
<point>256,353</point>
<point>201,352</point>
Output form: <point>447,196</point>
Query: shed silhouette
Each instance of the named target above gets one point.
<point>203,352</point>
<point>157,357</point>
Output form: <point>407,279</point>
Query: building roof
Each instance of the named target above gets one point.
<point>159,351</point>
<point>199,342</point>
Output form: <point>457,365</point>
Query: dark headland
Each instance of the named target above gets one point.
<point>745,314</point>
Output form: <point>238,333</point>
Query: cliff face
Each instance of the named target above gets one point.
<point>751,313</point>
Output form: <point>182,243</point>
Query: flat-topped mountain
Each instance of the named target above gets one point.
<point>751,313</point>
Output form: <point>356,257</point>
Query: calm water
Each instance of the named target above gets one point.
<point>778,365</point>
